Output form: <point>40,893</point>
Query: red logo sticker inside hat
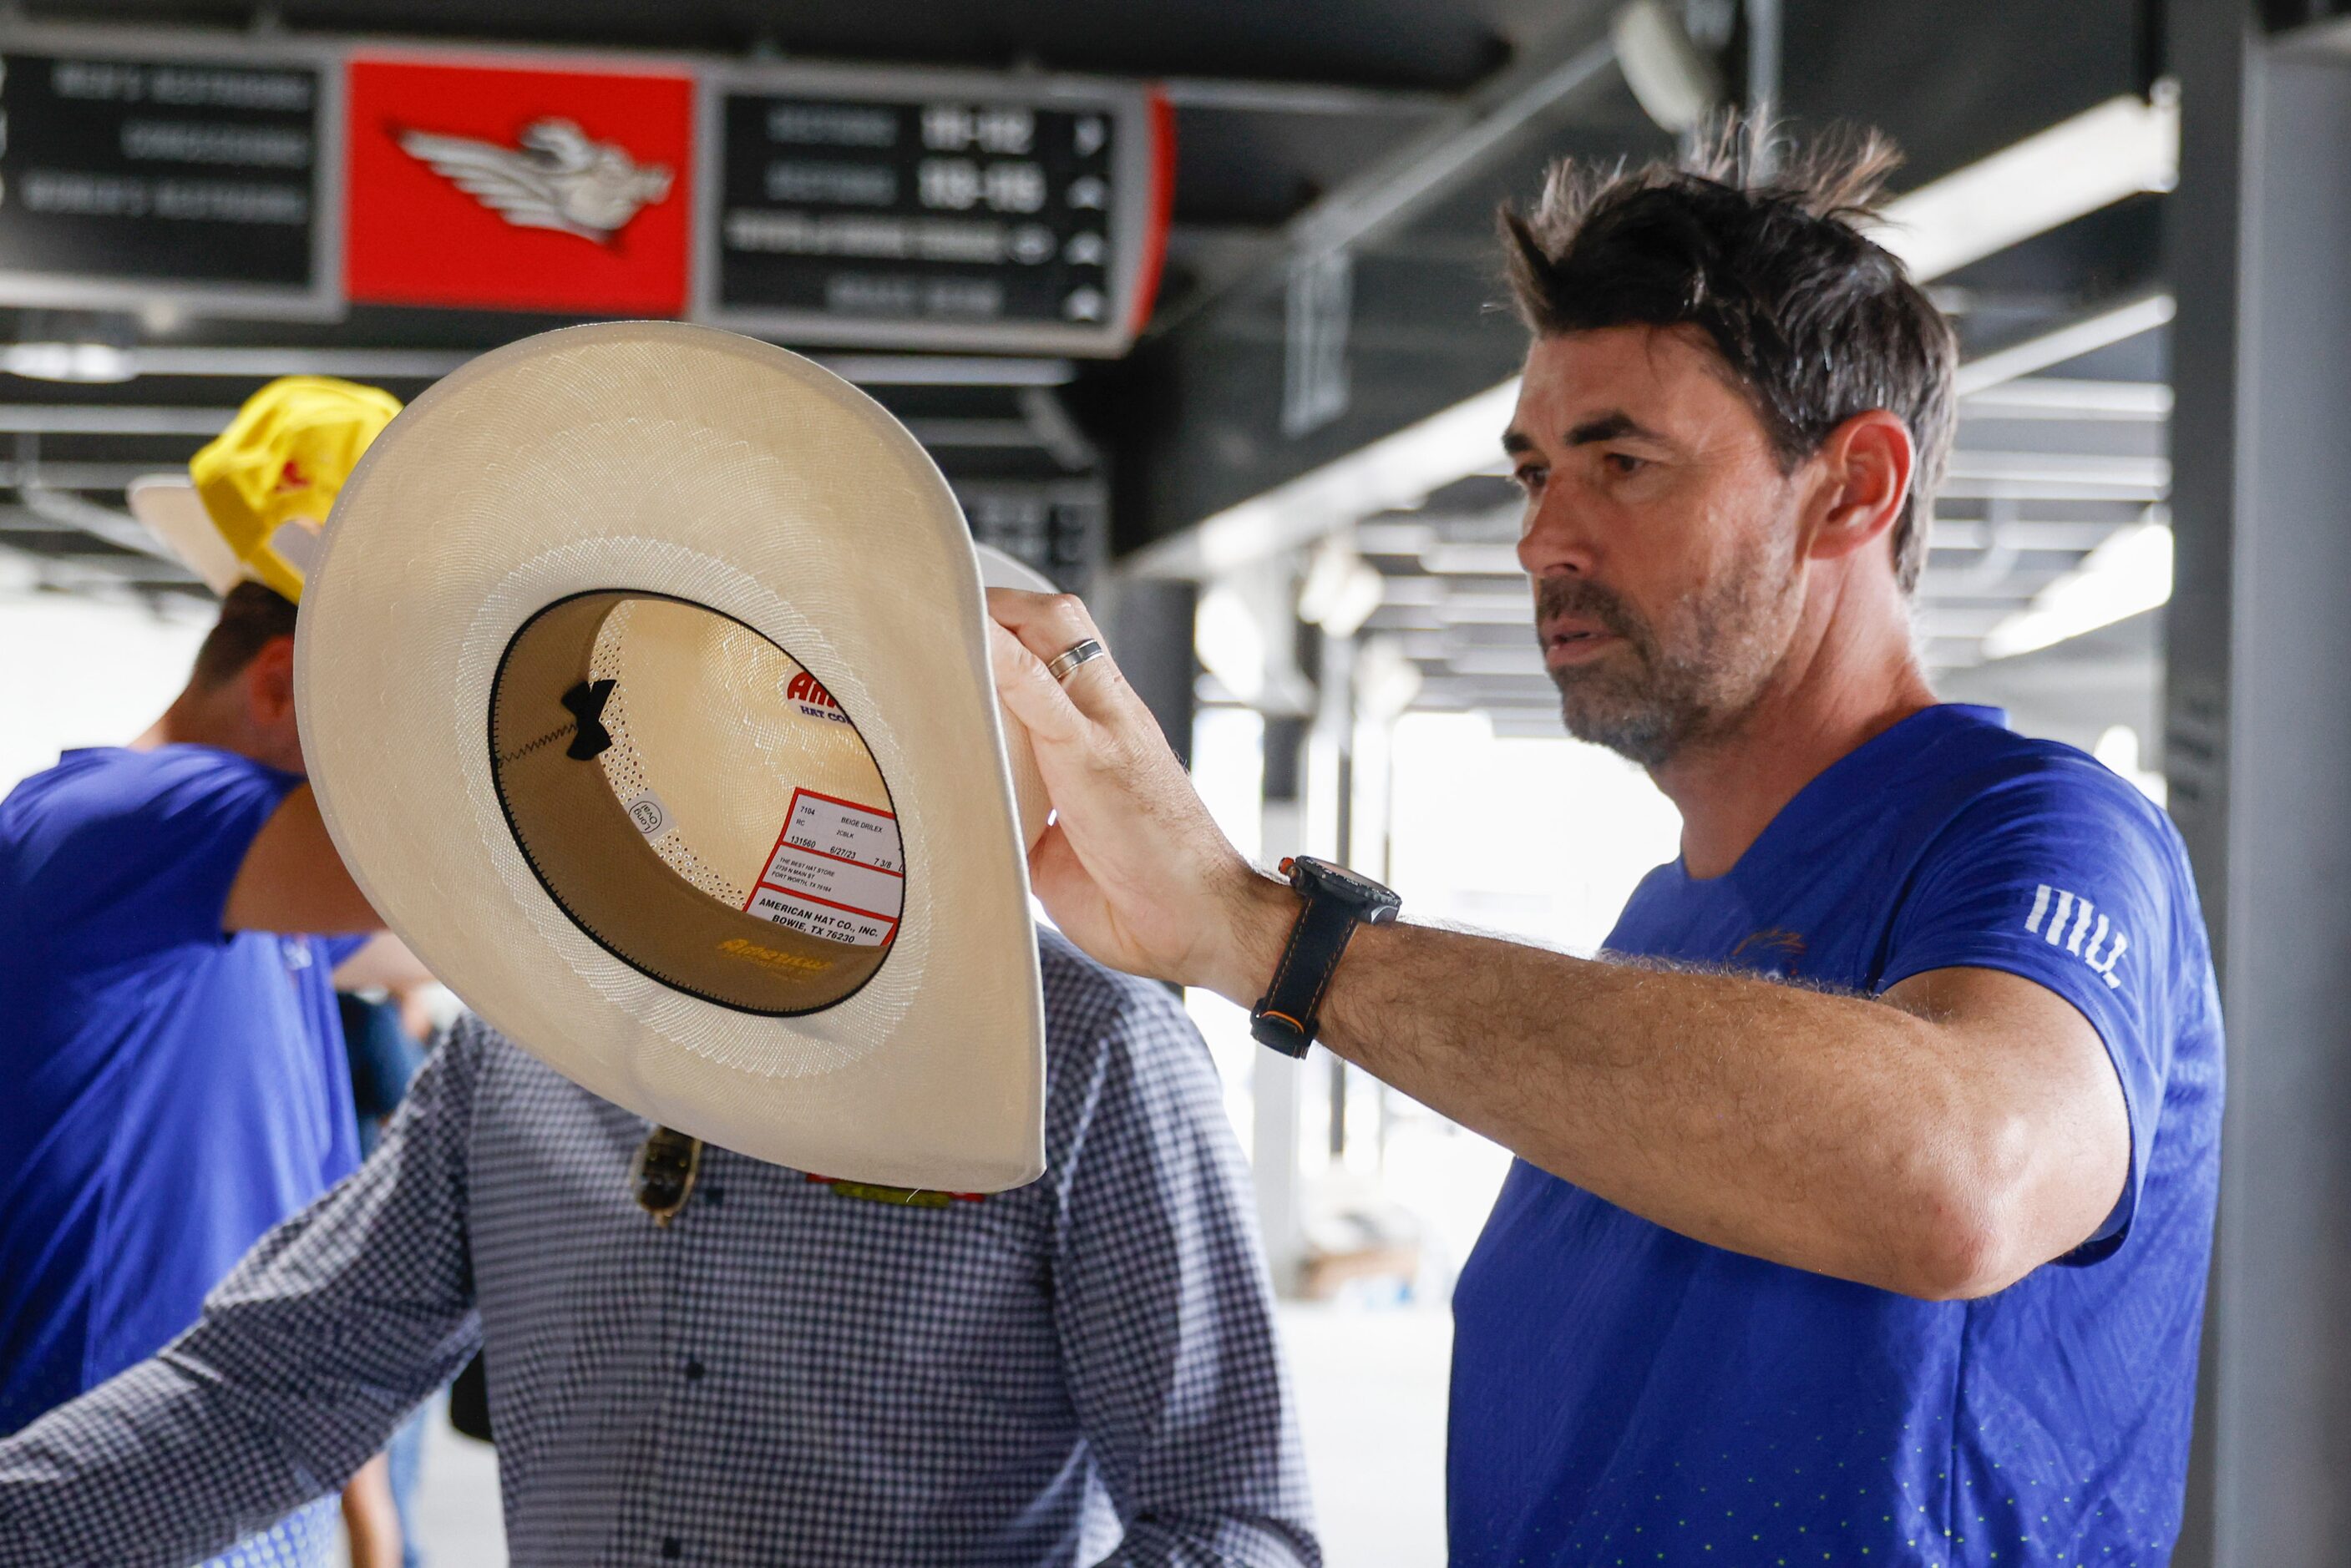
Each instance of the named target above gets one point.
<point>488,187</point>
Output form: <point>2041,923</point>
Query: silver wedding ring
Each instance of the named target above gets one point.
<point>1060,667</point>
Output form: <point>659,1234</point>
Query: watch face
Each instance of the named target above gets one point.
<point>1345,884</point>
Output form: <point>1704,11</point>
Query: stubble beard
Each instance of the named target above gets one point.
<point>1677,685</point>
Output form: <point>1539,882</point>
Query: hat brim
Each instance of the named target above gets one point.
<point>1000,570</point>
<point>685,462</point>
<point>168,506</point>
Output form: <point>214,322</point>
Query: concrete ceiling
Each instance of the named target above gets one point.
<point>1386,129</point>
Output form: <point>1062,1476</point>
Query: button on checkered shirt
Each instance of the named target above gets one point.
<point>785,1375</point>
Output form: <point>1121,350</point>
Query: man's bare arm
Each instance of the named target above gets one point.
<point>293,880</point>
<point>384,963</point>
<point>371,1518</point>
<point>1941,1141</point>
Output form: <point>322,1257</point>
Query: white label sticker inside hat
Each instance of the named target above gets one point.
<point>651,816</point>
<point>835,872</point>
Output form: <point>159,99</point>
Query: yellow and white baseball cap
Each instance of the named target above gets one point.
<point>254,500</point>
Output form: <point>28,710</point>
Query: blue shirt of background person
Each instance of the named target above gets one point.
<point>177,1083</point>
<point>178,1075</point>
<point>175,1088</point>
<point>383,1059</point>
<point>1710,1406</point>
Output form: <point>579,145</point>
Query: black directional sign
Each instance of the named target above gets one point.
<point>930,219</point>
<point>1058,526</point>
<point>144,178</point>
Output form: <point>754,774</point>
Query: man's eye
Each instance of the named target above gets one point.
<point>1529,479</point>
<point>1624,462</point>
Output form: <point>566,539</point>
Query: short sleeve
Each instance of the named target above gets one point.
<point>2065,874</point>
<point>140,851</point>
<point>341,947</point>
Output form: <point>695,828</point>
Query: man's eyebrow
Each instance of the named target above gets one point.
<point>1610,426</point>
<point>1516,440</point>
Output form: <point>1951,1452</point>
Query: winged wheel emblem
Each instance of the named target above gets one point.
<point>555,179</point>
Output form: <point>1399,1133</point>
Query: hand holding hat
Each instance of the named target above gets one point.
<point>1134,869</point>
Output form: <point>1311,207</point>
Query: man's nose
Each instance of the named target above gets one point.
<point>1554,542</point>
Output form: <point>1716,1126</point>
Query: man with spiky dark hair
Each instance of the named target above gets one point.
<point>1865,1185</point>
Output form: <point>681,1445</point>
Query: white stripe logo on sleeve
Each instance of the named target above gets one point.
<point>2068,920</point>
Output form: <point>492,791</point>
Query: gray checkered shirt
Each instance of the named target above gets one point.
<point>785,1376</point>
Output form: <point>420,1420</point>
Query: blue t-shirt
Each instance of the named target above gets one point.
<point>1623,1393</point>
<point>171,1090</point>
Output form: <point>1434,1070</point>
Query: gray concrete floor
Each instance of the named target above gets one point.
<point>1371,1398</point>
<point>461,1525</point>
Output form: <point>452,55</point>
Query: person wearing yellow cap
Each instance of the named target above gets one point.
<point>173,910</point>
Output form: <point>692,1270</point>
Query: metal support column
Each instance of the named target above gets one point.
<point>2259,753</point>
<point>1276,1082</point>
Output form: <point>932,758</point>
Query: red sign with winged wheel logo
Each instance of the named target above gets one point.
<point>492,187</point>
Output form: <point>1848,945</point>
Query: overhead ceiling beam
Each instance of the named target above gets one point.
<point>77,569</point>
<point>2020,535</point>
<point>94,363</point>
<point>112,418</point>
<point>63,510</point>
<point>49,361</point>
<point>140,420</point>
<point>72,475</point>
<point>1395,188</point>
<point>2109,326</point>
<point>1383,195</point>
<point>2055,398</point>
<point>1396,471</point>
<point>2066,469</point>
<point>1305,99</point>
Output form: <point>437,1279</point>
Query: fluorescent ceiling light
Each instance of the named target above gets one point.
<point>89,362</point>
<point>2056,398</point>
<point>2123,147</point>
<point>2067,342</point>
<point>1673,83</point>
<point>2129,573</point>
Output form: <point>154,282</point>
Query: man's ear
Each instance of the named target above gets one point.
<point>270,683</point>
<point>1865,466</point>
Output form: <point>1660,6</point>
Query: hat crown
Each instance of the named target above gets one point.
<point>672,571</point>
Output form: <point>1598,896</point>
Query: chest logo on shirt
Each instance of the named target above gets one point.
<point>2065,919</point>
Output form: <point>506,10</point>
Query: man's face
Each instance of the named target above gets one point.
<point>1660,533</point>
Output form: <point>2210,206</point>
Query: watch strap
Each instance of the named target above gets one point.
<point>1285,1018</point>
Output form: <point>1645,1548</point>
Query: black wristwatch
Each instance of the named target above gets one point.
<point>1337,901</point>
